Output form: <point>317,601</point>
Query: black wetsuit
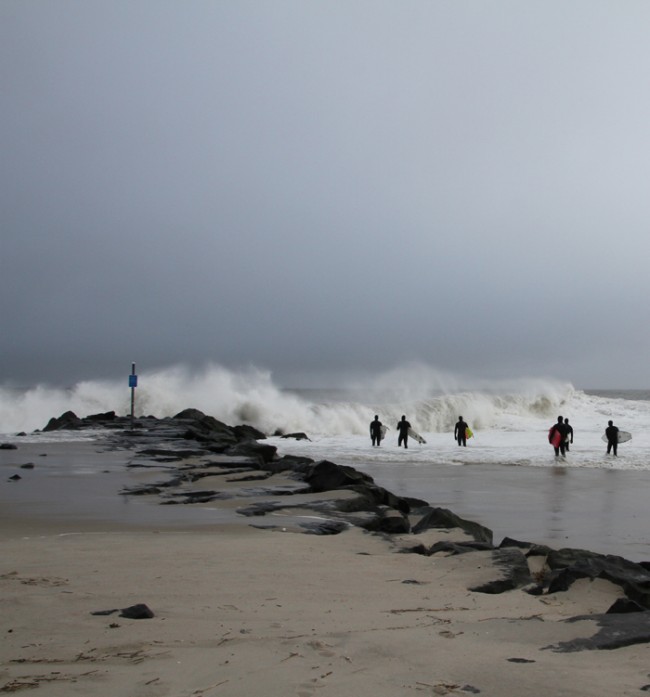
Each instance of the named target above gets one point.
<point>460,433</point>
<point>375,432</point>
<point>562,430</point>
<point>612,439</point>
<point>403,428</point>
<point>569,436</point>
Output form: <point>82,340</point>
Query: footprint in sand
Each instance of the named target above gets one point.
<point>322,649</point>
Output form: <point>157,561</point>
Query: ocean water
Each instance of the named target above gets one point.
<point>507,477</point>
<point>431,400</point>
<point>510,420</point>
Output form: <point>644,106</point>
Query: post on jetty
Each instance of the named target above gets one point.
<point>133,383</point>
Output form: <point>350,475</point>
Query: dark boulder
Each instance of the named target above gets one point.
<point>454,548</point>
<point>625,605</point>
<point>514,569</point>
<point>290,463</point>
<point>106,416</point>
<point>445,519</point>
<point>615,631</point>
<point>190,415</point>
<point>133,612</point>
<point>263,452</point>
<point>325,527</point>
<point>328,476</point>
<point>67,420</point>
<point>211,425</point>
<point>297,436</point>
<point>568,565</point>
<point>511,542</point>
<point>560,580</point>
<point>416,505</point>
<point>137,612</point>
<point>216,435</point>
<point>245,432</point>
<point>393,522</point>
<point>8,446</point>
<point>371,495</point>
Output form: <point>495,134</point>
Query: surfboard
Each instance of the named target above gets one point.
<point>416,436</point>
<point>382,432</point>
<point>623,437</point>
<point>468,432</point>
<point>554,437</point>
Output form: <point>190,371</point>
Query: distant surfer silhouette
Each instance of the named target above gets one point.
<point>403,430</point>
<point>375,431</point>
<point>560,429</point>
<point>612,437</point>
<point>569,434</point>
<point>460,432</point>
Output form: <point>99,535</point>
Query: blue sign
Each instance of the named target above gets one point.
<point>133,380</point>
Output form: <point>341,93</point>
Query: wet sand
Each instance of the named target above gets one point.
<point>79,483</point>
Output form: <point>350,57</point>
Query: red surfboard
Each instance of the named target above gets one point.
<point>554,437</point>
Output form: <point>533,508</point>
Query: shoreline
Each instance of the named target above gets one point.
<point>600,510</point>
<point>281,603</point>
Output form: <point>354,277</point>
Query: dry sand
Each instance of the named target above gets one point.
<point>245,611</point>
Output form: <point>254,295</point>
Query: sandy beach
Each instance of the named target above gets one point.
<point>240,609</point>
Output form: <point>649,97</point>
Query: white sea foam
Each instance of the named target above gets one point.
<point>251,396</point>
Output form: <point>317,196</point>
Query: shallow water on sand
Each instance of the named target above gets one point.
<point>80,482</point>
<point>601,510</point>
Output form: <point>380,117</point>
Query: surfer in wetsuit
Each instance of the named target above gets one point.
<point>569,434</point>
<point>612,437</point>
<point>460,432</point>
<point>559,427</point>
<point>375,431</point>
<point>403,430</point>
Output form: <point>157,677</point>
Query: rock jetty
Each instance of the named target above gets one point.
<point>196,454</point>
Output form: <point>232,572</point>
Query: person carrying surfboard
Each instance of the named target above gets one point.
<point>569,434</point>
<point>403,430</point>
<point>375,431</point>
<point>460,432</point>
<point>557,436</point>
<point>612,437</point>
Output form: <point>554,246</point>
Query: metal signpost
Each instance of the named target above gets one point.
<point>133,383</point>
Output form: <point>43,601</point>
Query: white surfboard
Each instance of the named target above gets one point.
<point>623,437</point>
<point>382,432</point>
<point>416,436</point>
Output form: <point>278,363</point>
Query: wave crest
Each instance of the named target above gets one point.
<point>431,400</point>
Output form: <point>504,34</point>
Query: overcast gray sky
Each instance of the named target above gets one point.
<point>315,186</point>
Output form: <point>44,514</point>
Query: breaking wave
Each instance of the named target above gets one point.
<point>431,400</point>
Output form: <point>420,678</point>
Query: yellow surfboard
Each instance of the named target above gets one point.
<point>468,432</point>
